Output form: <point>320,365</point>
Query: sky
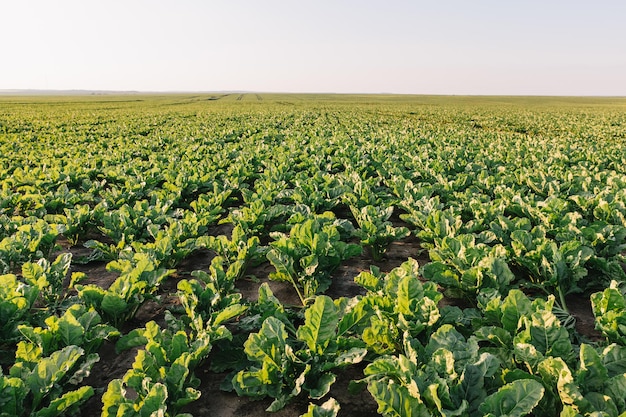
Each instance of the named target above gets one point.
<point>479,47</point>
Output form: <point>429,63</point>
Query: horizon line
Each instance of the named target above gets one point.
<point>80,91</point>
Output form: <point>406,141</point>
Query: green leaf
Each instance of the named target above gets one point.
<point>68,401</point>
<point>350,357</point>
<point>84,369</point>
<point>70,330</point>
<point>556,373</point>
<point>592,374</point>
<point>382,335</point>
<point>395,400</point>
<point>320,324</point>
<point>616,389</point>
<point>155,401</point>
<point>441,274</point>
<point>514,306</point>
<point>614,359</point>
<point>599,404</point>
<point>471,388</point>
<point>322,385</point>
<point>449,338</point>
<point>515,399</point>
<point>50,370</point>
<point>328,409</point>
<point>114,305</point>
<point>191,395</point>
<point>228,313</point>
<point>134,338</point>
<point>268,344</point>
<point>544,331</point>
<point>409,294</point>
<point>369,280</point>
<point>28,353</point>
<point>114,395</point>
<point>351,250</point>
<point>13,392</point>
<point>355,319</point>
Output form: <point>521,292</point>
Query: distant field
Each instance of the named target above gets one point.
<point>171,254</point>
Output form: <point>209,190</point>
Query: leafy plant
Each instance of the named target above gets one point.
<point>52,280</point>
<point>375,230</point>
<point>32,240</point>
<point>609,309</point>
<point>210,300</point>
<point>395,302</point>
<point>77,326</point>
<point>283,367</point>
<point>461,264</point>
<point>551,266</point>
<point>448,376</point>
<point>43,386</point>
<point>309,254</point>
<point>239,251</point>
<point>161,379</point>
<point>139,278</point>
<point>16,302</point>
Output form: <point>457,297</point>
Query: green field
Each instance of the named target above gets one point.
<point>433,255</point>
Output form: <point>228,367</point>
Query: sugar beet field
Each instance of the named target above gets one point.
<point>312,255</point>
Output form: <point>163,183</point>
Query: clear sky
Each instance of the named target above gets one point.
<point>547,47</point>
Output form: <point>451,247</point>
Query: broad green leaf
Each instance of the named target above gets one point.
<point>441,273</point>
<point>350,357</point>
<point>114,305</point>
<point>614,359</point>
<point>28,353</point>
<point>320,324</point>
<point>515,399</point>
<point>409,294</point>
<point>356,318</point>
<point>268,344</point>
<point>394,400</point>
<point>464,351</point>
<point>382,335</point>
<point>616,389</point>
<point>190,395</point>
<point>176,377</point>
<point>599,404</point>
<point>514,306</point>
<point>113,398</point>
<point>68,401</point>
<point>442,361</point>
<point>545,332</point>
<point>155,400</point>
<point>50,370</point>
<point>328,409</point>
<point>134,338</point>
<point>84,369</point>
<point>592,374</point>
<point>557,374</point>
<point>322,385</point>
<point>369,281</point>
<point>228,313</point>
<point>70,330</point>
<point>92,295</point>
<point>471,388</point>
<point>13,392</point>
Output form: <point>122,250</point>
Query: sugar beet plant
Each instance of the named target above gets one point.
<point>311,251</point>
<point>521,207</point>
